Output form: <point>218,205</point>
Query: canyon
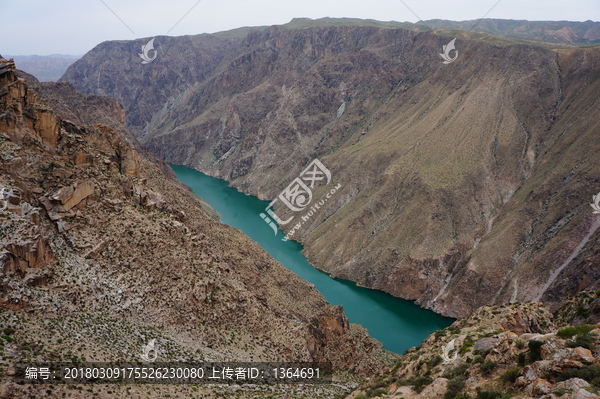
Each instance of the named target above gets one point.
<point>102,250</point>
<point>464,184</point>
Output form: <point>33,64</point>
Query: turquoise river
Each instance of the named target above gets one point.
<point>397,323</point>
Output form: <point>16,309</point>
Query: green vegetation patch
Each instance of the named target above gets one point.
<point>457,371</point>
<point>511,374</point>
<point>532,355</point>
<point>487,366</point>
<point>454,387</point>
<point>587,341</point>
<point>419,383</point>
<point>492,395</point>
<point>571,331</point>
<point>589,373</point>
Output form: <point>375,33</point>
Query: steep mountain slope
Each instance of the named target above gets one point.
<point>462,184</point>
<point>100,252</point>
<point>191,60</point>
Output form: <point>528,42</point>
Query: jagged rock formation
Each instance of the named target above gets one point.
<point>100,251</point>
<point>463,184</point>
<point>516,351</point>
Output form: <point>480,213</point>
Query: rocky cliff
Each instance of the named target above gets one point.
<point>101,252</point>
<point>463,184</point>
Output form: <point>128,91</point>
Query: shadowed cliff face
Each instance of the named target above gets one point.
<point>463,184</point>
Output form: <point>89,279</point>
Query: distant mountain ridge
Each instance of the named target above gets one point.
<point>46,68</point>
<point>575,33</point>
<point>570,33</point>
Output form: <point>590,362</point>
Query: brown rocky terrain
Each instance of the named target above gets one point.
<point>511,351</point>
<point>463,184</point>
<point>100,252</point>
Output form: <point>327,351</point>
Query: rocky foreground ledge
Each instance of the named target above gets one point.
<point>513,351</point>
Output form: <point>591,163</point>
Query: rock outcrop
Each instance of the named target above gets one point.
<point>498,352</point>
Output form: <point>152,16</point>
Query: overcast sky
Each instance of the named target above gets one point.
<point>75,26</point>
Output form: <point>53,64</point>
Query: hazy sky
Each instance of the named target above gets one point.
<point>75,26</point>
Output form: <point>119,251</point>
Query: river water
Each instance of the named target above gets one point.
<point>397,323</point>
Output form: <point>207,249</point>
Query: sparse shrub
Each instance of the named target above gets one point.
<point>535,353</point>
<point>520,344</point>
<point>487,366</point>
<point>478,359</point>
<point>511,374</point>
<point>440,333</point>
<point>560,392</point>
<point>571,331</point>
<point>453,330</point>
<point>396,366</point>
<point>377,392</point>
<point>585,341</point>
<point>583,312</point>
<point>589,373</point>
<point>454,387</point>
<point>482,352</point>
<point>457,371</point>
<point>437,359</point>
<point>466,346</point>
<point>491,395</point>
<point>419,383</point>
<point>50,168</point>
